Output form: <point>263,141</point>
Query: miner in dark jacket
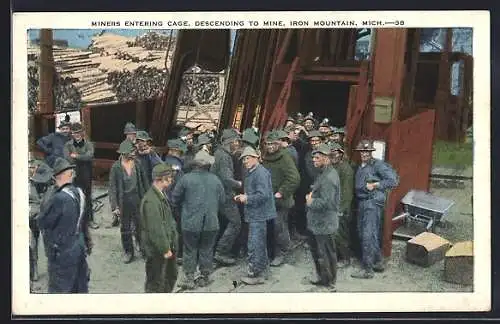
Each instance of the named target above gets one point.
<point>259,208</point>
<point>223,167</point>
<point>80,152</point>
<point>286,142</point>
<point>146,155</point>
<point>186,135</point>
<point>66,234</point>
<point>199,195</point>
<point>373,179</point>
<point>127,185</point>
<point>53,144</point>
<point>39,182</point>
<point>323,206</point>
<point>285,180</point>
<point>159,234</point>
<point>346,175</point>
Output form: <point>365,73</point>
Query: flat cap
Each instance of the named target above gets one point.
<point>162,170</point>
<point>322,149</point>
<point>143,136</point>
<point>204,158</point>
<point>126,147</point>
<point>61,165</point>
<point>249,151</point>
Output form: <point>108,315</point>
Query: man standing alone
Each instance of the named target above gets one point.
<point>159,234</point>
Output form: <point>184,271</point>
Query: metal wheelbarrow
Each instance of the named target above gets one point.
<point>423,208</point>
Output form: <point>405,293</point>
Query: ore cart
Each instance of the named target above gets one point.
<point>423,208</point>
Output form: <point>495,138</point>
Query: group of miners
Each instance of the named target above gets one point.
<point>211,200</point>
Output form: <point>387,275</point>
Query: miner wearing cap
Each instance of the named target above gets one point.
<point>373,179</point>
<point>199,195</point>
<point>285,180</point>
<point>40,176</point>
<point>127,185</point>
<point>130,133</point>
<point>323,207</point>
<point>259,208</point>
<point>53,144</point>
<point>224,168</point>
<point>290,122</point>
<point>286,136</point>
<point>346,176</point>
<point>146,155</point>
<point>158,233</point>
<point>80,152</point>
<point>324,129</point>
<point>66,233</point>
<point>187,136</point>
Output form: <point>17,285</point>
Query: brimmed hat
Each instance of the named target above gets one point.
<point>76,128</point>
<point>310,116</point>
<point>290,118</point>
<point>248,151</point>
<point>250,136</point>
<point>334,146</point>
<point>43,174</point>
<point>162,170</point>
<point>61,165</point>
<point>322,149</point>
<point>229,135</point>
<point>176,144</point>
<point>204,139</point>
<point>129,129</point>
<point>64,123</point>
<point>143,136</point>
<point>277,135</point>
<point>126,147</point>
<point>324,123</point>
<point>204,158</point>
<point>365,145</point>
<point>314,133</point>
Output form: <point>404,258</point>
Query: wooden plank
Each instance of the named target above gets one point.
<point>329,77</point>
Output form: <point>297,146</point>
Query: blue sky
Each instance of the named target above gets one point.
<point>81,38</point>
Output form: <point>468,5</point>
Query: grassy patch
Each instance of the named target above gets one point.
<point>447,154</point>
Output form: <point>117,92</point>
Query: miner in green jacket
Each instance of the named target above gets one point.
<point>346,176</point>
<point>285,180</point>
<point>159,233</point>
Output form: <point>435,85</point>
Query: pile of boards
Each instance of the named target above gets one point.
<point>428,248</point>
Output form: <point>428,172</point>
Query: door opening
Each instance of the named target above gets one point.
<point>325,99</point>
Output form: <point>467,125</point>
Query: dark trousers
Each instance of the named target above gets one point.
<point>369,223</point>
<point>281,232</point>
<point>325,257</point>
<point>343,237</point>
<point>83,180</point>
<point>130,224</point>
<point>258,260</point>
<point>198,250</point>
<point>161,274</point>
<point>180,245</point>
<point>298,221</point>
<point>232,231</point>
<point>33,246</point>
<point>69,277</point>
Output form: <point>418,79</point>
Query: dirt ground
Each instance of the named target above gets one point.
<point>110,275</point>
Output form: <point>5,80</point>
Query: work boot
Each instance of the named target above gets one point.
<point>222,259</point>
<point>362,274</point>
<point>252,279</point>
<point>278,260</point>
<point>115,222</point>
<point>93,225</point>
<point>187,282</point>
<point>203,280</point>
<point>379,266</point>
<point>128,257</point>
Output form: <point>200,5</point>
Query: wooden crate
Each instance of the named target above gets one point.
<point>426,249</point>
<point>459,264</point>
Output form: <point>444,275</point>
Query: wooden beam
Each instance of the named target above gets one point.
<point>284,45</point>
<point>329,77</point>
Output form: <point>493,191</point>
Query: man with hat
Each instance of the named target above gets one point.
<point>53,144</point>
<point>66,233</point>
<point>373,179</point>
<point>224,168</point>
<point>259,208</point>
<point>290,122</point>
<point>127,185</point>
<point>337,135</point>
<point>158,233</point>
<point>309,122</point>
<point>285,180</point>
<point>186,135</point>
<point>346,176</point>
<point>286,136</point>
<point>250,137</point>
<point>80,152</point>
<point>323,207</point>
<point>324,128</point>
<point>130,132</point>
<point>40,176</point>
<point>146,155</point>
<point>199,195</point>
